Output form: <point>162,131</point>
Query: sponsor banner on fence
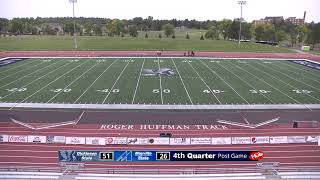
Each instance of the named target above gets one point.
<point>96,140</point>
<point>200,141</point>
<point>116,140</point>
<point>37,139</point>
<point>56,139</point>
<point>143,140</point>
<point>179,141</point>
<point>18,138</point>
<point>4,138</point>
<point>75,140</point>
<point>297,139</point>
<point>221,140</point>
<point>138,141</point>
<point>259,140</point>
<point>312,138</point>
<point>241,140</point>
<point>159,141</point>
<point>278,139</point>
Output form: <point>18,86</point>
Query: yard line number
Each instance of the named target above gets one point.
<point>215,91</point>
<point>60,90</point>
<point>107,90</point>
<point>256,91</point>
<point>158,90</point>
<point>16,89</point>
<point>302,91</point>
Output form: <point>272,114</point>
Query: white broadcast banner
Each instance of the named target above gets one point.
<point>56,139</point>
<point>220,140</point>
<point>200,141</point>
<point>4,138</point>
<point>180,141</point>
<point>297,139</point>
<point>37,139</point>
<point>278,139</point>
<point>260,140</point>
<point>116,140</point>
<point>312,139</point>
<point>159,141</point>
<point>241,140</point>
<point>15,138</point>
<point>143,141</point>
<point>75,140</point>
<point>95,141</point>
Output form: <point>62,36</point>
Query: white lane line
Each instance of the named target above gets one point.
<point>37,79</point>
<point>28,74</point>
<point>94,81</point>
<point>182,80</point>
<point>160,83</point>
<point>114,84</point>
<point>48,84</point>
<point>290,77</point>
<point>15,67</point>
<point>237,76</point>
<point>73,82</point>
<point>254,75</point>
<point>135,91</point>
<point>204,82</point>
<point>224,81</point>
<point>30,67</point>
<point>273,77</point>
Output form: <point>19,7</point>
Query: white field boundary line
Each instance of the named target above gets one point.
<point>73,82</point>
<point>181,80</point>
<point>206,65</point>
<point>283,82</point>
<point>24,86</point>
<point>204,83</point>
<point>94,81</point>
<point>28,74</point>
<point>114,84</point>
<point>30,67</point>
<point>165,106</point>
<point>161,96</point>
<point>290,77</point>
<point>48,84</point>
<point>135,91</point>
<point>239,77</point>
<point>267,84</point>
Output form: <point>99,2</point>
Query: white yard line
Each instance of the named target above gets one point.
<point>204,83</point>
<point>245,82</point>
<point>301,70</point>
<point>28,75</point>
<point>73,82</point>
<point>48,84</point>
<point>30,67</point>
<point>224,81</point>
<point>286,82</point>
<point>135,91</point>
<point>289,77</point>
<point>37,79</point>
<point>15,67</point>
<point>160,83</point>
<point>268,84</point>
<point>94,81</point>
<point>115,83</point>
<point>182,80</point>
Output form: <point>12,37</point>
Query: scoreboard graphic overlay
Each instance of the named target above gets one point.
<point>158,156</point>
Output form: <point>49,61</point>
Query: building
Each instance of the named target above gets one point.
<point>261,21</point>
<point>274,19</point>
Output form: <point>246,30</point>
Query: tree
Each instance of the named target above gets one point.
<point>173,36</point>
<point>133,30</point>
<point>97,30</point>
<point>281,36</point>
<point>187,36</point>
<point>160,36</point>
<point>88,27</point>
<point>313,35</point>
<point>68,28</point>
<point>116,27</point>
<point>212,33</point>
<point>224,27</point>
<point>47,30</point>
<point>168,29</point>
<point>4,24</point>
<point>302,32</point>
<point>146,35</point>
<point>293,36</point>
<point>201,38</point>
<point>259,32</point>
<point>15,26</point>
<point>265,32</point>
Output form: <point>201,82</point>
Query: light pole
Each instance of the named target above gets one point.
<point>74,25</point>
<point>240,20</point>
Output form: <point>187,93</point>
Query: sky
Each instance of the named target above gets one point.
<point>162,9</point>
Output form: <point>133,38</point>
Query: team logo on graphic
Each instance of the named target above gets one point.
<point>158,72</point>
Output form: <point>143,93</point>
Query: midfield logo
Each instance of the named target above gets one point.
<point>158,72</point>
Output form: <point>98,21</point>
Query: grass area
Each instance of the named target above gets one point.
<point>123,81</point>
<point>29,43</point>
<point>316,52</point>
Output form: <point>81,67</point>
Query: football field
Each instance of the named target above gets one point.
<point>159,81</point>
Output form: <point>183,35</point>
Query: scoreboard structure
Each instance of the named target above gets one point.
<point>157,156</point>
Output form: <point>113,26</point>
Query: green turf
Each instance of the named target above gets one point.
<point>126,43</point>
<point>195,81</point>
